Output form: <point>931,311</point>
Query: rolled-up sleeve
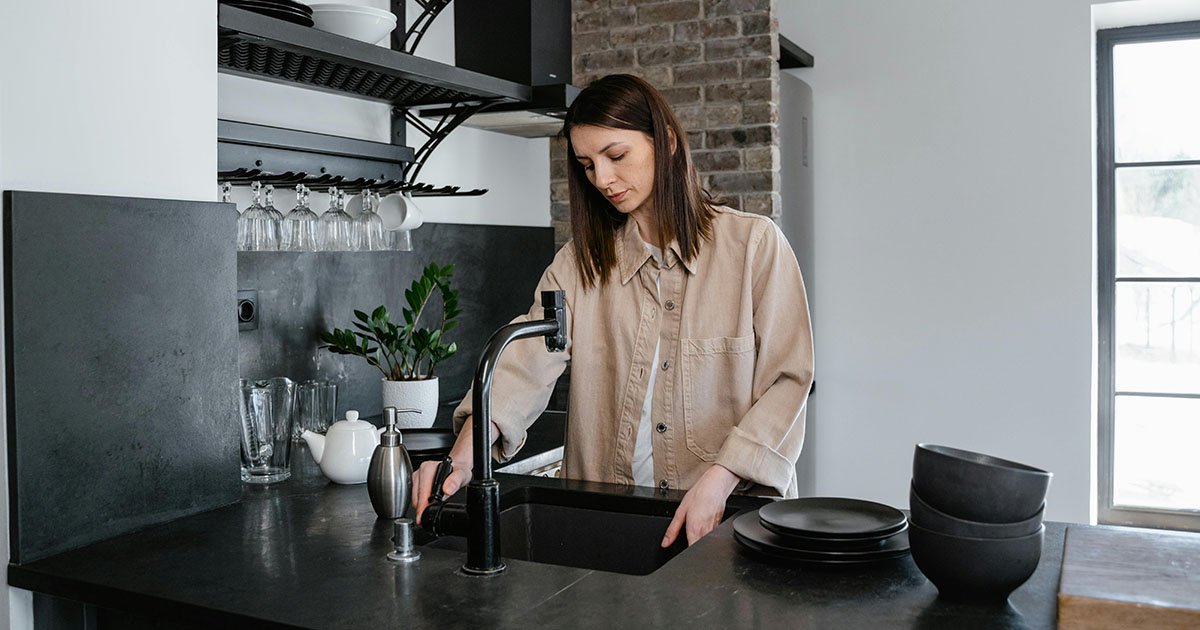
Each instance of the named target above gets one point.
<point>764,445</point>
<point>526,372</point>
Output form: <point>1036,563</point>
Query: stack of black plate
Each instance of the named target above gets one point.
<point>294,12</point>
<point>824,530</point>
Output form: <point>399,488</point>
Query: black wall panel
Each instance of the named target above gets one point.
<point>121,348</point>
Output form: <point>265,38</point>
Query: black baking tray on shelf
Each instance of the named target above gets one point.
<point>263,47</point>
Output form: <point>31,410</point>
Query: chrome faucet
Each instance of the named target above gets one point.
<point>483,492</point>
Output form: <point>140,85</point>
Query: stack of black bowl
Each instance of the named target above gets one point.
<point>824,530</point>
<point>976,521</point>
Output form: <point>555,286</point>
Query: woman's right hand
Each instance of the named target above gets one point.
<point>423,479</point>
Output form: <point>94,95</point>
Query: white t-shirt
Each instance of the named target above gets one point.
<point>643,450</point>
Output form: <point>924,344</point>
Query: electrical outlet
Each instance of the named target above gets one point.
<point>247,309</point>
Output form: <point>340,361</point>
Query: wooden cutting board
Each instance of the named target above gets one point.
<point>1129,578</point>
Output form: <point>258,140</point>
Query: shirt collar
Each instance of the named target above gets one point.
<point>632,252</point>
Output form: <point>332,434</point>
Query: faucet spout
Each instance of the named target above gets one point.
<point>483,492</point>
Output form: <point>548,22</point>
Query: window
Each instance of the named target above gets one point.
<point>1149,275</point>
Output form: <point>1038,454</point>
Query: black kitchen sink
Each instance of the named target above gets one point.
<point>586,530</point>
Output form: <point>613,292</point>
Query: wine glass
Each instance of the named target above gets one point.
<point>336,223</point>
<point>301,227</point>
<point>275,218</point>
<point>227,197</point>
<point>257,233</point>
<point>368,227</point>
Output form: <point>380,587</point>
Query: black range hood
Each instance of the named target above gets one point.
<point>522,41</point>
<point>540,118</point>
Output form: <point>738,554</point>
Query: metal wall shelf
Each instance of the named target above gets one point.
<point>793,56</point>
<point>267,48</point>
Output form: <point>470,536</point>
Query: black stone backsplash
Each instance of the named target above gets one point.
<point>496,269</point>
<point>122,360</point>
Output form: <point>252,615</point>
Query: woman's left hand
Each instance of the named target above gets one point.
<point>702,506</point>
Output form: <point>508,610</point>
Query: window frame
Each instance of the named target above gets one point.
<point>1106,167</point>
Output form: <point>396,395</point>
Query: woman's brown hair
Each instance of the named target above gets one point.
<point>682,207</point>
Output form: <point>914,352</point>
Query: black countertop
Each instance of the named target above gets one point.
<point>310,553</point>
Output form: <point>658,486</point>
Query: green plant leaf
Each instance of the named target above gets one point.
<point>408,351</point>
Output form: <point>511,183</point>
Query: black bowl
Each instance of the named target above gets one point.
<point>931,518</point>
<point>978,487</point>
<point>975,569</point>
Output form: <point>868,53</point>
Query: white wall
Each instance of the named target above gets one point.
<point>954,233</point>
<point>953,245</point>
<point>91,109</point>
<point>85,108</point>
<point>515,171</point>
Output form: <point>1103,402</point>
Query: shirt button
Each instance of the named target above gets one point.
<point>666,365</point>
<point>670,305</point>
<point>663,485</point>
<point>661,428</point>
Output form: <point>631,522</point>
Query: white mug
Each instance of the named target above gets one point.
<point>399,212</point>
<point>391,211</point>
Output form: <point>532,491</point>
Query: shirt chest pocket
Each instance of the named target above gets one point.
<point>718,380</point>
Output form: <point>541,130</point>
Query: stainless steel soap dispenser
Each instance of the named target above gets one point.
<point>389,475</point>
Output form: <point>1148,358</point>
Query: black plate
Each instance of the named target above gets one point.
<point>749,532</point>
<point>281,14</point>
<point>285,5</point>
<point>832,518</point>
<point>262,5</point>
<point>834,544</point>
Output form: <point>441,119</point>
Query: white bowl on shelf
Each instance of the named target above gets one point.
<point>366,24</point>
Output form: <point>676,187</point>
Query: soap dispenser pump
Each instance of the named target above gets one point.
<point>389,476</point>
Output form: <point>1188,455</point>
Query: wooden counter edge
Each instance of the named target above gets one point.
<point>1089,613</point>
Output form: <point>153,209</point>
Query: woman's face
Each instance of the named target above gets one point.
<point>619,163</point>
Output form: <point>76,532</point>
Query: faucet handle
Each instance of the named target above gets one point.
<point>439,479</point>
<point>554,307</point>
<point>554,299</point>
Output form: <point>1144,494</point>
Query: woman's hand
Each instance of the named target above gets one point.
<point>702,506</point>
<point>460,471</point>
<point>422,482</point>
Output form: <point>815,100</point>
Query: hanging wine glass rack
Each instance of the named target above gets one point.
<point>243,176</point>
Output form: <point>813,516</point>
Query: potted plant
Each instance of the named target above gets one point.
<point>406,353</point>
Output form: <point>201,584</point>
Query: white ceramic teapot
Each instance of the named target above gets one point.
<point>344,452</point>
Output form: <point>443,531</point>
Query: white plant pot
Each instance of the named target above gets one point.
<point>422,395</point>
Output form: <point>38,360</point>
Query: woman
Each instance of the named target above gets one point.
<point>687,325</point>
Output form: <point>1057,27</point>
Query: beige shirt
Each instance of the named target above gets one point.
<point>734,371</point>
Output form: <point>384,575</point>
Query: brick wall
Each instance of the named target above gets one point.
<point>715,61</point>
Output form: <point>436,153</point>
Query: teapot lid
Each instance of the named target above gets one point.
<point>351,423</point>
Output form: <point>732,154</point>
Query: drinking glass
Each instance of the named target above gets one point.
<point>336,223</point>
<point>400,240</point>
<point>316,406</point>
<point>267,416</point>
<point>300,228</point>
<point>368,227</point>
